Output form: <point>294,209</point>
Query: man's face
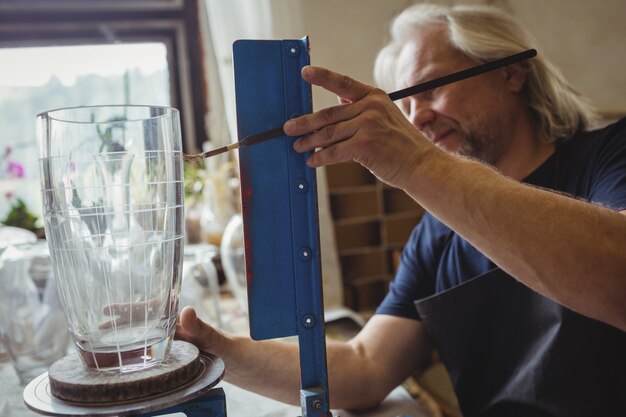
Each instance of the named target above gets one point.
<point>470,117</point>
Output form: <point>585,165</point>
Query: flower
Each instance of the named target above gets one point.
<point>10,168</point>
<point>15,170</point>
<point>18,215</point>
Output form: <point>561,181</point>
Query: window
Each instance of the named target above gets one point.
<point>171,23</point>
<point>61,53</point>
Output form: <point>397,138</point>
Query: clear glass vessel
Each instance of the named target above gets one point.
<point>111,180</point>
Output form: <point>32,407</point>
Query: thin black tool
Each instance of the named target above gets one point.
<point>396,95</point>
<point>247,141</point>
<point>461,75</point>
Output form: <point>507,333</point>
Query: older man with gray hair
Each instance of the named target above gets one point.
<point>517,272</point>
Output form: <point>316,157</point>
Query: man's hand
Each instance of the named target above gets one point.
<point>193,330</point>
<point>366,127</point>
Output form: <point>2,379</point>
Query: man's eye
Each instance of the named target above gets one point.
<point>427,95</point>
<point>405,106</point>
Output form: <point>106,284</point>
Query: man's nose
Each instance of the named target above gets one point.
<point>421,116</point>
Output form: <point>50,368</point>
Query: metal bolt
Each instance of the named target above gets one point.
<point>293,49</point>
<point>317,403</point>
<point>308,321</point>
<point>305,253</point>
<point>301,185</point>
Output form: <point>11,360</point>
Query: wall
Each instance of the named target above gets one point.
<point>346,36</point>
<point>585,39</point>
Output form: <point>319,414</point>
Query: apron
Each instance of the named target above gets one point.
<point>513,352</point>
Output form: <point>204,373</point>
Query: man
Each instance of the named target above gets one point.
<point>521,289</point>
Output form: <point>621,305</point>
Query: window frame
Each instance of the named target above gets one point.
<point>30,23</point>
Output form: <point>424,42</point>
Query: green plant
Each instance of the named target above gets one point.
<point>195,177</point>
<point>108,142</point>
<point>20,216</point>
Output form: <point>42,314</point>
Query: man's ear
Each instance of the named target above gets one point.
<point>515,76</point>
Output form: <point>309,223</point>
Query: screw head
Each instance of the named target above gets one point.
<point>305,253</point>
<point>308,321</point>
<point>293,49</point>
<point>302,185</point>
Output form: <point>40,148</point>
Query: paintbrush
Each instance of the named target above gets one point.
<point>396,95</point>
<point>247,141</point>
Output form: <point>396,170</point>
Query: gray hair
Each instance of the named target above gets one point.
<point>485,33</point>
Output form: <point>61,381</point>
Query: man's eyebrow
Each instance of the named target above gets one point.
<point>435,73</point>
<point>419,77</point>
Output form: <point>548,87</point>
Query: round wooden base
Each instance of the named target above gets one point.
<point>71,381</point>
<point>38,397</point>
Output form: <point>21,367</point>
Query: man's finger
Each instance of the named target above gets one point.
<point>338,152</point>
<point>347,89</point>
<point>326,136</point>
<point>315,121</point>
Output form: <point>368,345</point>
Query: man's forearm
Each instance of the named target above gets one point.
<point>272,368</point>
<point>569,250</point>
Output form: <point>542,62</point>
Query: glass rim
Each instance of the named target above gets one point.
<point>49,113</point>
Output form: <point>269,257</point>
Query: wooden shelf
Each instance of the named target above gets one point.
<point>348,174</point>
<point>362,296</point>
<point>397,201</point>
<point>368,263</point>
<point>359,251</point>
<point>372,222</point>
<point>398,229</point>
<point>358,235</point>
<point>350,190</point>
<point>360,203</point>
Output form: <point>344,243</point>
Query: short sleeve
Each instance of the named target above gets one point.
<point>608,187</point>
<point>416,275</point>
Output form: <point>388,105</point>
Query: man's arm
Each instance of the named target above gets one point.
<point>361,372</point>
<point>569,250</point>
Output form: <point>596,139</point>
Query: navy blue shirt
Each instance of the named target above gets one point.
<point>590,166</point>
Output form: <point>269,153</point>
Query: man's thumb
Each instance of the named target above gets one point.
<point>189,319</point>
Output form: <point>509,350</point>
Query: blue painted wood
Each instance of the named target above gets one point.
<point>280,210</point>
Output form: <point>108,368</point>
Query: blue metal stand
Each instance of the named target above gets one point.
<point>211,404</point>
<point>280,218</point>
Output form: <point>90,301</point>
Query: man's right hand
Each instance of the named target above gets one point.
<point>367,127</point>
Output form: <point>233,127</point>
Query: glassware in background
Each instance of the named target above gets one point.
<point>35,332</point>
<point>209,199</point>
<point>203,223</point>
<point>112,188</point>
<point>212,220</point>
<point>233,260</point>
<point>10,235</point>
<point>201,288</point>
<point>194,183</point>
